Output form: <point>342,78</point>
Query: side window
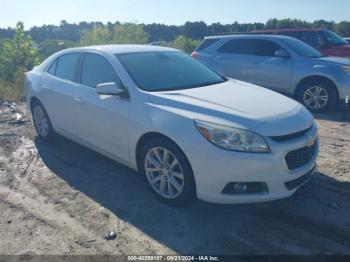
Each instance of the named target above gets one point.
<point>52,68</point>
<point>207,43</point>
<point>97,70</point>
<point>265,47</point>
<point>237,46</point>
<point>311,38</point>
<point>66,66</point>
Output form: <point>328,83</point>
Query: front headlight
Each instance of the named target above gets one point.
<point>232,139</point>
<point>346,69</point>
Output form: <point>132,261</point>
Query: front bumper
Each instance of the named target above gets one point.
<point>215,168</point>
<point>344,89</point>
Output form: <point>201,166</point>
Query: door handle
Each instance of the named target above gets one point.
<point>256,63</point>
<point>219,57</point>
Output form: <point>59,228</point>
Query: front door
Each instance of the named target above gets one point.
<point>268,70</point>
<point>103,121</point>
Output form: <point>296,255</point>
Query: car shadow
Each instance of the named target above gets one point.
<point>280,227</point>
<point>338,115</point>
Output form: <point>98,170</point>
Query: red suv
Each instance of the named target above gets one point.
<point>326,41</point>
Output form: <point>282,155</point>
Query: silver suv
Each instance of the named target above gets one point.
<point>280,63</point>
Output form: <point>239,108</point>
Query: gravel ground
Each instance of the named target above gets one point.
<point>60,198</point>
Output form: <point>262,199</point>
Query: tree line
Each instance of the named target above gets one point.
<point>20,50</point>
<point>160,32</point>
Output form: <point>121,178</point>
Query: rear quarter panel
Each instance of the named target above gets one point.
<point>33,85</point>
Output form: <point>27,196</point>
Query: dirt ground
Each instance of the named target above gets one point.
<point>61,198</point>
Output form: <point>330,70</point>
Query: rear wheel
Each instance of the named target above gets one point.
<point>167,171</point>
<point>318,96</point>
<point>42,121</point>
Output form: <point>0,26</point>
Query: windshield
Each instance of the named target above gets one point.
<point>301,48</point>
<point>333,38</point>
<point>166,71</point>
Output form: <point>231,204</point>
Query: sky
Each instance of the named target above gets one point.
<point>177,12</point>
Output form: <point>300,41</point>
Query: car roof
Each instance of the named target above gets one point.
<point>288,30</point>
<point>248,36</point>
<point>120,49</point>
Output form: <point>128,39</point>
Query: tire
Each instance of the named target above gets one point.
<point>173,182</point>
<point>42,122</point>
<point>318,96</point>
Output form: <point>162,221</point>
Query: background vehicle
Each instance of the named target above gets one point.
<point>160,43</point>
<point>280,63</point>
<point>347,39</point>
<point>161,112</point>
<point>325,41</point>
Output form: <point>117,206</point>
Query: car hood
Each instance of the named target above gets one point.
<point>335,60</point>
<point>238,104</point>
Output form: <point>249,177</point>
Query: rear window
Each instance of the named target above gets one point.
<point>66,66</point>
<point>238,46</point>
<point>206,43</point>
<point>52,68</point>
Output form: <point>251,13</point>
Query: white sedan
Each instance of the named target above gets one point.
<point>189,131</point>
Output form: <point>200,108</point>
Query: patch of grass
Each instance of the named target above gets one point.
<point>12,91</point>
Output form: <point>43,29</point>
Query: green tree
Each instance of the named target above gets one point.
<point>343,28</point>
<point>184,43</point>
<point>195,30</point>
<point>97,35</point>
<point>129,33</point>
<point>50,47</point>
<point>323,24</point>
<point>16,56</point>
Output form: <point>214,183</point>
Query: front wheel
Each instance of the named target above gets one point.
<point>42,121</point>
<point>318,97</point>
<point>167,171</point>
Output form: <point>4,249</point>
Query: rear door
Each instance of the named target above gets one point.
<point>103,121</point>
<point>234,56</point>
<point>268,70</point>
<point>59,84</point>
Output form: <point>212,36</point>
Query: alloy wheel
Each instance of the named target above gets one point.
<point>316,97</point>
<point>164,172</point>
<point>41,122</point>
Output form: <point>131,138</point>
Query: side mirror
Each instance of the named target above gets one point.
<point>281,53</point>
<point>112,89</point>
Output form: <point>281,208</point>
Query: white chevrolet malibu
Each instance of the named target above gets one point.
<point>189,131</point>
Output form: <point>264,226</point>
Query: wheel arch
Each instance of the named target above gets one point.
<point>151,135</point>
<point>33,100</point>
<point>315,78</point>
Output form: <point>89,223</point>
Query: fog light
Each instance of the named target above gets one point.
<point>245,188</point>
<point>240,187</point>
